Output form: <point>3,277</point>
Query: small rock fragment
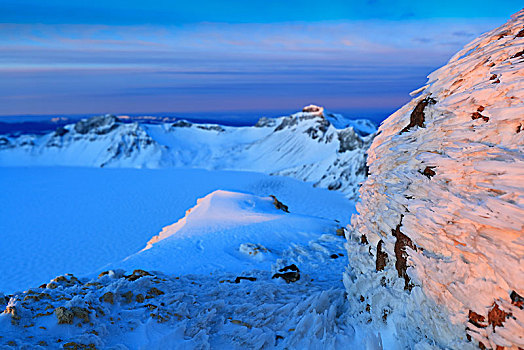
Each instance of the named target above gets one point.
<point>240,278</point>
<point>279,205</point>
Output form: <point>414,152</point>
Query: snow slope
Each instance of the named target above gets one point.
<point>305,146</point>
<point>221,290</point>
<point>438,248</point>
<point>227,231</point>
<point>80,219</point>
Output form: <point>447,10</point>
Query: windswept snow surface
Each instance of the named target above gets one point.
<point>438,244</point>
<point>305,146</point>
<point>228,231</point>
<point>76,220</point>
<point>211,275</point>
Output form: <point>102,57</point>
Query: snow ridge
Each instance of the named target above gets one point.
<point>437,248</point>
<point>325,149</point>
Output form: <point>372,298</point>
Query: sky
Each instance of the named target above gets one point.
<point>202,56</point>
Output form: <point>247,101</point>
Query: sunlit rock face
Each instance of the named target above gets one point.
<point>437,249</point>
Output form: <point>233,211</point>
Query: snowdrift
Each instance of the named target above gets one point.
<point>227,231</point>
<point>437,248</point>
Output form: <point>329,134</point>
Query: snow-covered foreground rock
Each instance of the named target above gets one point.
<point>437,249</point>
<point>325,149</point>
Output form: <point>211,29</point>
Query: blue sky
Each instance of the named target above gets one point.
<point>65,57</point>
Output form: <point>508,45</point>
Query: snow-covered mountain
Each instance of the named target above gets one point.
<point>437,250</point>
<point>325,149</point>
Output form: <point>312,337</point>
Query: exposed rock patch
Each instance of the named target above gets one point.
<point>181,124</point>
<point>279,205</point>
<point>289,273</point>
<point>382,257</point>
<point>417,117</point>
<point>99,125</point>
<point>64,316</point>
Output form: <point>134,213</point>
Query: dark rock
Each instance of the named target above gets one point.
<point>61,131</point>
<point>290,273</point>
<point>181,124</point>
<point>333,256</point>
<point>137,274</point>
<point>291,276</point>
<point>286,122</point>
<point>363,169</point>
<point>211,128</point>
<point>99,125</point>
<point>429,172</point>
<point>319,130</point>
<point>401,255</point>
<point>518,54</point>
<point>27,143</point>
<point>279,205</point>
<point>64,316</point>
<point>364,239</point>
<point>128,296</point>
<point>477,115</point>
<point>520,34</point>
<point>265,122</point>
<point>496,316</point>
<point>108,298</point>
<point>291,267</point>
<point>15,316</point>
<point>348,140</point>
<point>382,257</point>
<point>516,299</point>
<point>494,77</point>
<point>153,292</point>
<point>417,117</point>
<point>240,278</point>
<point>476,319</point>
<point>81,313</point>
<point>78,346</point>
<point>334,186</point>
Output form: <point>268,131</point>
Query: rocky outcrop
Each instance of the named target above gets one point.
<point>99,125</point>
<point>445,203</point>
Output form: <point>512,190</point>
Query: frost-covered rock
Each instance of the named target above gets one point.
<point>306,146</point>
<point>437,247</point>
